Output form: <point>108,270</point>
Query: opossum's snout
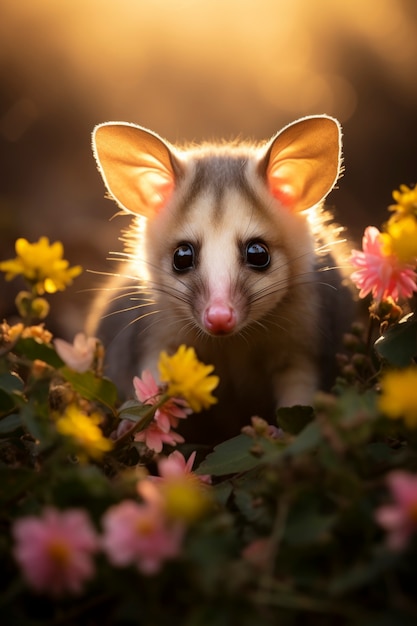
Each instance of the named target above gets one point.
<point>220,318</point>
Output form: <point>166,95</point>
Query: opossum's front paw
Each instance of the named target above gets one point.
<point>297,386</point>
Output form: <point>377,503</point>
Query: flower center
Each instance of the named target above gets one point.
<point>412,511</point>
<point>145,526</point>
<point>59,552</point>
<point>185,498</point>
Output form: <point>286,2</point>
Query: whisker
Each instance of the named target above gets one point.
<point>127,309</point>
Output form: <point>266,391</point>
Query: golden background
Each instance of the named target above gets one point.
<point>191,70</point>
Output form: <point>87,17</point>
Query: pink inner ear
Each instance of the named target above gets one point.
<point>283,191</point>
<point>162,193</point>
<point>156,189</point>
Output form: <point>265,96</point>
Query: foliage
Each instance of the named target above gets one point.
<point>298,524</point>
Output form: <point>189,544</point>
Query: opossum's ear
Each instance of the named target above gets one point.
<point>303,161</point>
<point>137,166</point>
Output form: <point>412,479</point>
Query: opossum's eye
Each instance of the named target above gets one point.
<point>184,257</point>
<point>257,255</point>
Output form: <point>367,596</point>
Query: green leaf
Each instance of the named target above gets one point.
<point>11,382</point>
<point>240,454</point>
<point>352,403</point>
<point>10,423</point>
<point>36,419</point>
<point>243,453</point>
<point>398,345</point>
<point>222,492</point>
<point>133,411</point>
<point>91,387</point>
<point>293,419</point>
<point>307,440</point>
<point>7,402</point>
<point>230,457</point>
<point>10,386</point>
<point>32,350</point>
<point>249,507</point>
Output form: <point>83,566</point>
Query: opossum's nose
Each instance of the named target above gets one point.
<point>220,318</point>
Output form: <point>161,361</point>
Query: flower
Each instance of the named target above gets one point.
<point>187,377</point>
<point>41,264</point>
<point>154,437</point>
<point>29,306</point>
<point>258,552</point>
<point>148,392</point>
<point>180,493</point>
<point>166,415</point>
<point>182,497</point>
<point>37,332</point>
<point>399,518</point>
<point>379,273</point>
<point>176,465</point>
<point>55,550</point>
<point>139,534</point>
<point>401,238</point>
<point>79,355</point>
<point>84,430</point>
<point>185,497</point>
<point>261,428</point>
<point>406,200</point>
<point>398,397</point>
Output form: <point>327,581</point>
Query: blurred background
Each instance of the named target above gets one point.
<point>191,70</point>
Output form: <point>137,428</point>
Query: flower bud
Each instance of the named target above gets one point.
<point>40,308</point>
<point>40,369</point>
<point>23,303</point>
<point>350,341</point>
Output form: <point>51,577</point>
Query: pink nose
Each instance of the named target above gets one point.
<point>219,319</point>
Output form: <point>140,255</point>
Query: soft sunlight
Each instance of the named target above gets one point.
<point>288,55</point>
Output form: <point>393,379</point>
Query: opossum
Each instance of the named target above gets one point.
<point>232,252</point>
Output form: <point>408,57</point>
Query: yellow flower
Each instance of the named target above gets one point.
<point>398,399</point>
<point>400,238</point>
<point>406,199</point>
<point>38,332</point>
<point>84,429</point>
<point>188,378</point>
<point>41,264</point>
<point>185,497</point>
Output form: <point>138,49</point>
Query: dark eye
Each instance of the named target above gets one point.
<point>184,257</point>
<point>257,255</point>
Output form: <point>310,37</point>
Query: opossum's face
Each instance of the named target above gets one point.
<point>226,238</point>
<point>221,259</point>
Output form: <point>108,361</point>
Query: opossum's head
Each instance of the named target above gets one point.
<point>227,234</point>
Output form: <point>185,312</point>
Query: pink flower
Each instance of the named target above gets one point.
<point>148,392</point>
<point>55,550</point>
<point>154,438</point>
<point>258,553</point>
<point>79,355</point>
<point>146,388</point>
<point>166,417</point>
<point>400,518</point>
<point>380,273</point>
<point>179,492</point>
<point>139,534</point>
<point>175,465</point>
